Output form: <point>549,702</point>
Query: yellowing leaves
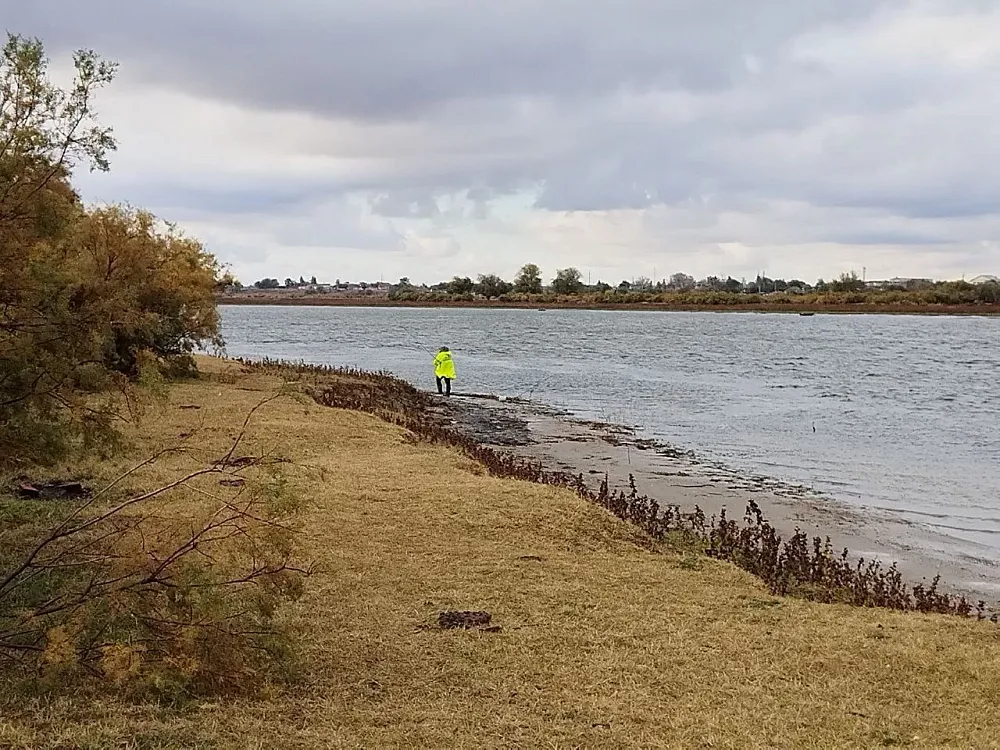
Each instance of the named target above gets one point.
<point>60,648</point>
<point>121,662</point>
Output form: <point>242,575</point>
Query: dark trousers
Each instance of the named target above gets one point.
<point>447,386</point>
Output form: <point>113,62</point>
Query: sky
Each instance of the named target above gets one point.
<point>388,138</point>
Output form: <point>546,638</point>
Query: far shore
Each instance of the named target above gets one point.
<point>763,307</point>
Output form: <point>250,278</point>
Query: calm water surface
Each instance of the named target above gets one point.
<point>906,409</point>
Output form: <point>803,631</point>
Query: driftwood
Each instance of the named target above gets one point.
<point>52,490</point>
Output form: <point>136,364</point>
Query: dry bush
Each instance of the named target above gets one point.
<point>88,296</point>
<point>154,589</point>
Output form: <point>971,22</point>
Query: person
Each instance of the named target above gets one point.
<point>444,370</point>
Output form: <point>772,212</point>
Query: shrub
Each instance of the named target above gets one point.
<point>151,591</point>
<point>85,294</point>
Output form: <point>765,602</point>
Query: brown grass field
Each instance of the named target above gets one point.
<point>605,643</point>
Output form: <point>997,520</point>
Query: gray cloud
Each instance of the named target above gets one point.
<point>710,108</point>
<point>395,59</point>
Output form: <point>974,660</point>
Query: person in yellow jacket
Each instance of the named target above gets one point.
<point>444,370</point>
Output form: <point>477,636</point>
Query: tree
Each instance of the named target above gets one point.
<point>158,287</point>
<point>302,280</point>
<point>848,282</point>
<point>227,281</point>
<point>461,285</point>
<point>491,286</point>
<point>681,281</point>
<point>313,281</point>
<point>567,281</point>
<point>764,284</point>
<point>90,300</point>
<point>528,280</point>
<point>49,339</point>
<point>45,131</point>
<point>290,283</point>
<point>602,287</point>
<point>714,282</point>
<point>732,285</point>
<point>642,284</point>
<point>267,283</point>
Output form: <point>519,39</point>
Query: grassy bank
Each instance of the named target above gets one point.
<point>903,308</point>
<point>606,640</point>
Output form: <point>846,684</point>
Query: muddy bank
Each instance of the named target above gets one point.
<point>677,477</point>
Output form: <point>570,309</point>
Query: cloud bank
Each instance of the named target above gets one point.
<point>391,138</point>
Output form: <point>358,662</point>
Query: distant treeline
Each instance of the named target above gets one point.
<point>683,290</point>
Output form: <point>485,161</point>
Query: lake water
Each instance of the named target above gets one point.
<point>897,413</point>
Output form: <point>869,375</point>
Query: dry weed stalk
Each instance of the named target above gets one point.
<point>183,594</point>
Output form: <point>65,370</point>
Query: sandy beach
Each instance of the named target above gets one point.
<point>675,477</point>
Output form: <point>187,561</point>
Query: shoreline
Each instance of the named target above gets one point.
<point>560,442</point>
<point>984,310</point>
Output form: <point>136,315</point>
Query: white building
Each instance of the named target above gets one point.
<point>984,279</point>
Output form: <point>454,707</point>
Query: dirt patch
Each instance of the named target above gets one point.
<point>466,620</point>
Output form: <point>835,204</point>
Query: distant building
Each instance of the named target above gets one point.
<point>984,279</point>
<point>898,282</point>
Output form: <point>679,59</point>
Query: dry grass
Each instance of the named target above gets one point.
<point>604,643</point>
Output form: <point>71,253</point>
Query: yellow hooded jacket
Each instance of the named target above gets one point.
<point>444,365</point>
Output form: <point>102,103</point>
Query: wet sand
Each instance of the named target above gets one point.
<point>675,477</point>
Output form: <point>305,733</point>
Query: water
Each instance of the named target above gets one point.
<point>895,413</point>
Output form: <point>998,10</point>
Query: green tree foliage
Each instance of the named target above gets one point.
<point>226,280</point>
<point>461,285</point>
<point>848,282</point>
<point>86,296</point>
<point>528,280</point>
<point>567,281</point>
<point>158,284</point>
<point>267,283</point>
<point>492,286</point>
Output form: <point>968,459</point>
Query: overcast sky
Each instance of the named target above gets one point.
<point>389,138</point>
